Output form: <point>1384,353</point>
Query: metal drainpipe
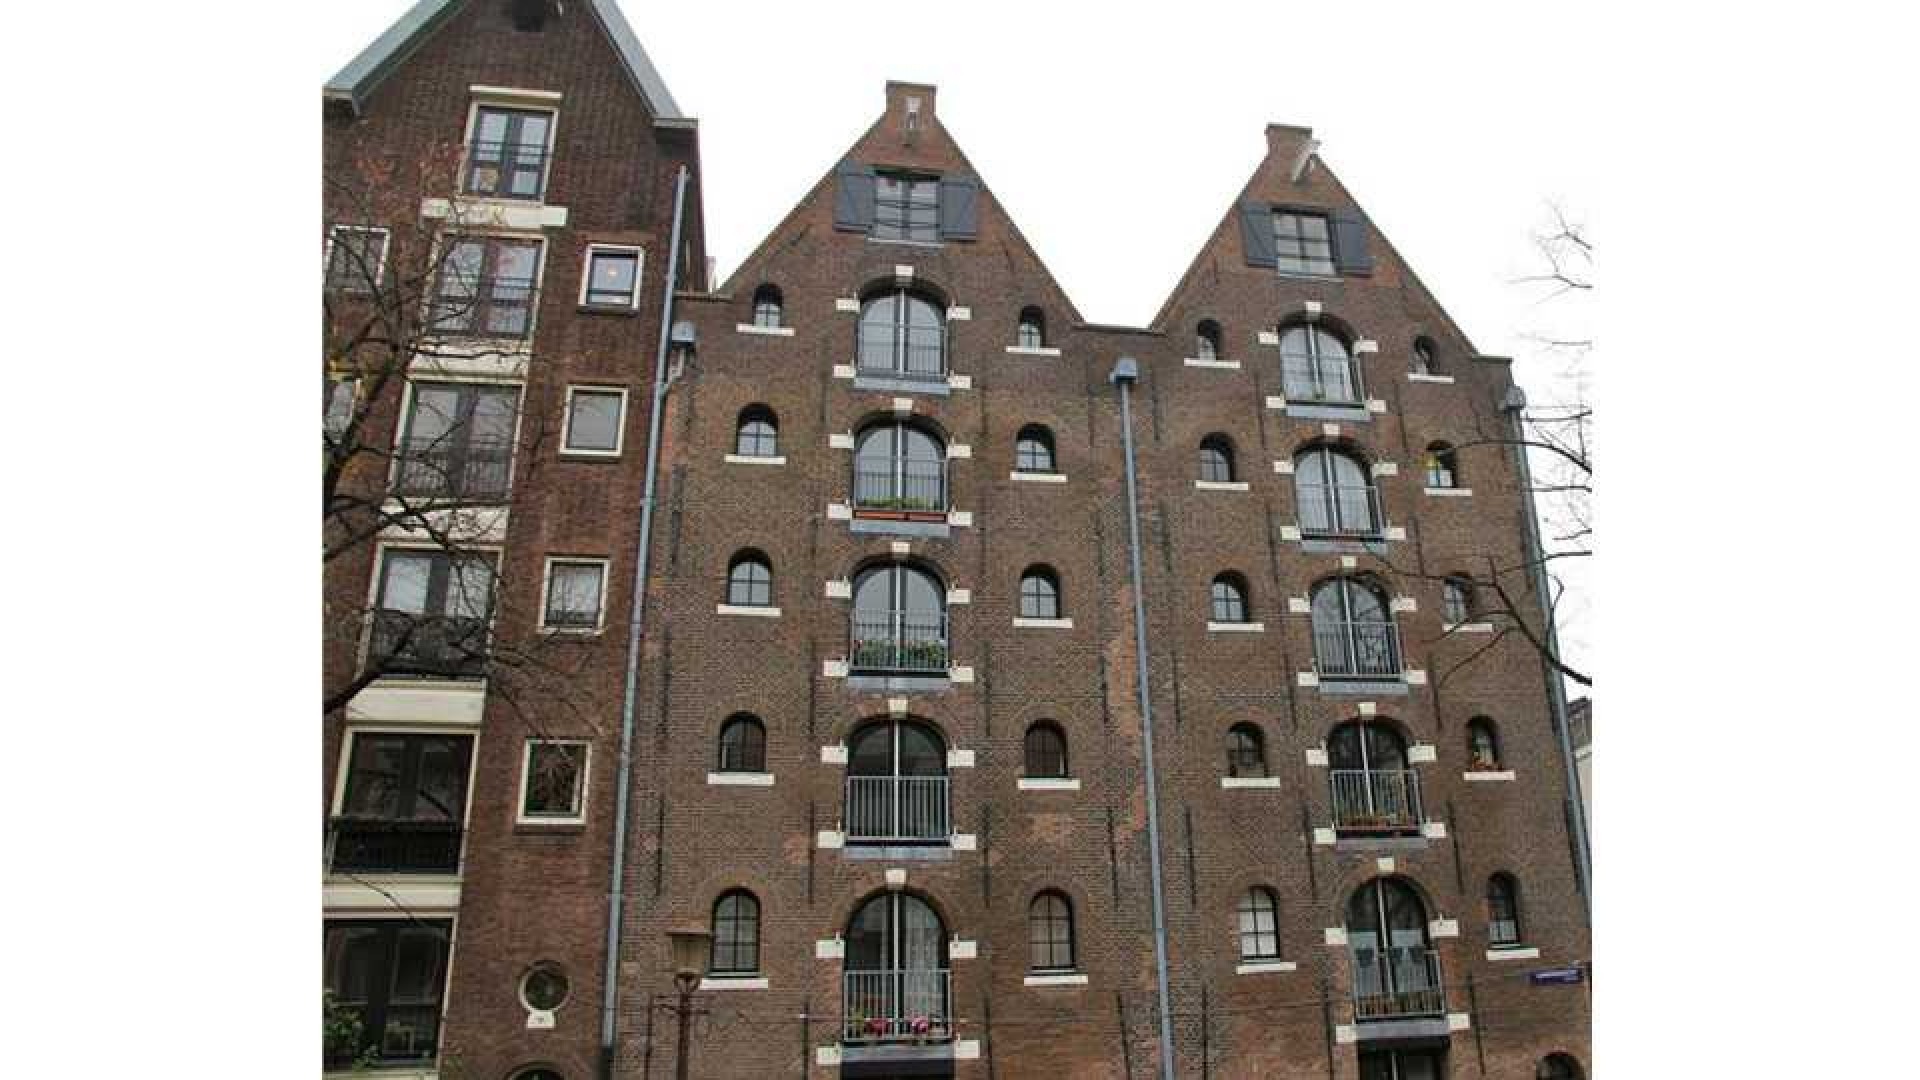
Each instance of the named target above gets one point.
<point>616,881</point>
<point>1125,371</point>
<point>1516,401</point>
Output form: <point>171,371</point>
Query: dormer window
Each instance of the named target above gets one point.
<point>1303,243</point>
<point>507,155</point>
<point>906,207</point>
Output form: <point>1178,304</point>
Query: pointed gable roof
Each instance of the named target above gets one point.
<point>365,72</point>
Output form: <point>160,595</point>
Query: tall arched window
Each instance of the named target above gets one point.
<point>1483,746</point>
<point>1558,1067</point>
<point>766,305</point>
<point>1423,361</point>
<point>1039,593</point>
<point>1228,599</point>
<point>1335,495</point>
<point>1033,450</point>
<point>899,620</point>
<point>1503,911</point>
<point>1032,332</point>
<point>1246,751</point>
<point>736,933</point>
<point>1396,972</point>
<point>757,434</point>
<point>1050,932</point>
<point>1259,918</point>
<point>1373,786</point>
<point>1216,459</point>
<point>1315,367</point>
<point>1442,466</point>
<point>896,971</point>
<point>899,467</point>
<point>1206,342</point>
<point>750,581</point>
<point>902,334</point>
<point>1046,751</point>
<point>743,745</point>
<point>897,784</point>
<point>1353,631</point>
<point>1456,601</point>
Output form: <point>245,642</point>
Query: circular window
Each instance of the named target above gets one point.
<point>544,988</point>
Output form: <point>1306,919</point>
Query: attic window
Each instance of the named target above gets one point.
<point>529,16</point>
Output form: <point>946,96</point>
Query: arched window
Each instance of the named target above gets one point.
<point>1207,340</point>
<point>750,581</point>
<point>1315,367</point>
<point>1046,751</point>
<point>1229,599</point>
<point>743,745</point>
<point>1558,1067</point>
<point>1353,632</point>
<point>1246,751</point>
<point>757,433</point>
<point>1373,786</point>
<point>1032,333</point>
<point>899,468</point>
<point>899,620</point>
<point>1395,971</point>
<point>1483,746</point>
<point>897,784</point>
<point>538,1073</point>
<point>1456,601</point>
<point>1423,362</point>
<point>896,971</point>
<point>1259,924</point>
<point>1334,494</point>
<point>1216,459</point>
<point>1033,450</point>
<point>766,305</point>
<point>1050,932</point>
<point>1039,593</point>
<point>902,335</point>
<point>1503,910</point>
<point>1442,466</point>
<point>736,933</point>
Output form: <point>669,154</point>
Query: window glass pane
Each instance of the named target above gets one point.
<point>553,779</point>
<point>419,953</point>
<point>404,584</point>
<point>593,420</point>
<point>612,277</point>
<point>373,781</point>
<point>573,594</point>
<point>440,792</point>
<point>341,395</point>
<point>354,956</point>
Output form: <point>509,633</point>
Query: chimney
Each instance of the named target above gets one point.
<point>1292,147</point>
<point>909,107</point>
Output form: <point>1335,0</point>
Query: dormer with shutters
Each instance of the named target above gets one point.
<point>893,197</point>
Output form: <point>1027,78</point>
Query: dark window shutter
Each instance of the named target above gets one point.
<point>959,216</point>
<point>853,197</point>
<point>1256,230</point>
<point>1350,255</point>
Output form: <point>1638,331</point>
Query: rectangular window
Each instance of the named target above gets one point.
<point>356,257</point>
<point>507,158</point>
<point>404,804</point>
<point>432,613</point>
<point>457,442</point>
<point>906,207</point>
<point>1303,243</point>
<point>338,403</point>
<point>384,980</point>
<point>574,593</point>
<point>596,418</point>
<point>612,279</point>
<point>553,785</point>
<point>486,287</point>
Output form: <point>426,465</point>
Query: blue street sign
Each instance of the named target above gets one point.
<point>1564,976</point>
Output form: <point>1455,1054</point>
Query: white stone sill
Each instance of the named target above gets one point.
<point>752,612</point>
<point>1218,365</point>
<point>1487,776</point>
<point>740,779</point>
<point>1263,967</point>
<point>1444,380</point>
<point>1268,782</point>
<point>1024,350</point>
<point>1448,493</point>
<point>1043,624</point>
<point>1056,980</point>
<point>1528,953</point>
<point>1037,477</point>
<point>763,331</point>
<point>741,459</point>
<point>1236,628</point>
<point>1220,485</point>
<point>733,982</point>
<point>1468,628</point>
<point>1049,783</point>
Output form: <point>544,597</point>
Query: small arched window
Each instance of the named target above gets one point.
<point>1246,751</point>
<point>1039,594</point>
<point>1558,1067</point>
<point>1442,466</point>
<point>1206,344</point>
<point>1259,917</point>
<point>1423,361</point>
<point>757,433</point>
<point>1050,932</point>
<point>1033,450</point>
<point>1503,910</point>
<point>1046,751</point>
<point>750,581</point>
<point>736,933</point>
<point>1216,459</point>
<point>1483,746</point>
<point>1228,602</point>
<point>1032,332</point>
<point>1456,601</point>
<point>743,744</point>
<point>766,305</point>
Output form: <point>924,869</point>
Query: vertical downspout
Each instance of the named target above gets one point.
<point>616,881</point>
<point>1516,401</point>
<point>1125,371</point>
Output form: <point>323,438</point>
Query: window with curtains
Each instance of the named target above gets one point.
<point>1483,746</point>
<point>1423,358</point>
<point>1334,494</point>
<point>1032,331</point>
<point>1316,368</point>
<point>736,934</point>
<point>767,306</point>
<point>1228,599</point>
<point>1039,593</point>
<point>1033,450</point>
<point>1456,601</point>
<point>1246,751</point>
<point>575,593</point>
<point>1216,459</point>
<point>1046,751</point>
<point>1206,345</point>
<point>1503,911</point>
<point>757,433</point>
<point>1050,933</point>
<point>902,334</point>
<point>1259,919</point>
<point>750,581</point>
<point>743,744</point>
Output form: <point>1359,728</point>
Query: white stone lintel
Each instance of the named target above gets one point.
<point>847,303</point>
<point>833,754</point>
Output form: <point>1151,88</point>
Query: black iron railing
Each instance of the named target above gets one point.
<point>1339,510</point>
<point>1356,650</point>
<point>364,846</point>
<point>1396,983</point>
<point>908,485</point>
<point>506,170</point>
<point>914,352</point>
<point>901,641</point>
<point>445,646</point>
<point>449,466</point>
<point>1375,798</point>
<point>893,1006</point>
<point>495,306</point>
<point>1325,380</point>
<point>906,809</point>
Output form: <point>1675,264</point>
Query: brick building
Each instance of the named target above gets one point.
<point>885,731</point>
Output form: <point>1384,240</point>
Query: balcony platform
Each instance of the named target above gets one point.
<point>897,1059</point>
<point>1409,1033</point>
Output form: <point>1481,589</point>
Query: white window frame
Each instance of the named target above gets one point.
<point>380,268</point>
<point>566,423</point>
<point>546,583</point>
<point>639,274</point>
<point>465,231</point>
<point>488,97</point>
<point>579,817</point>
<point>334,382</point>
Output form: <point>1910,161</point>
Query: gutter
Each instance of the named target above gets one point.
<point>616,879</point>
<point>1125,371</point>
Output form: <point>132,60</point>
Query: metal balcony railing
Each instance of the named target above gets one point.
<point>451,467</point>
<point>881,1006</point>
<point>444,646</point>
<point>1356,650</point>
<point>897,809</point>
<point>1375,799</point>
<point>506,170</point>
<point>906,485</point>
<point>1340,510</point>
<point>1396,983</point>
<point>364,846</point>
<point>1323,381</point>
<point>488,307</point>
<point>910,353</point>
<point>899,641</point>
